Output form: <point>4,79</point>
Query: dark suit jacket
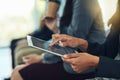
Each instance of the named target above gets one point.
<point>107,67</point>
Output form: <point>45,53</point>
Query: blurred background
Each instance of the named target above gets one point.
<point>21,17</point>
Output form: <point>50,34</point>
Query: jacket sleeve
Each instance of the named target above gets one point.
<point>109,48</point>
<point>84,18</point>
<point>108,68</point>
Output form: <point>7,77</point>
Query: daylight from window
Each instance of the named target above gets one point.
<point>19,17</point>
<point>108,8</point>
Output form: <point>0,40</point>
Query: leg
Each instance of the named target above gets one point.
<point>56,71</point>
<point>15,74</point>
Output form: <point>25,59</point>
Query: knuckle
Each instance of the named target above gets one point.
<point>53,35</point>
<point>74,63</point>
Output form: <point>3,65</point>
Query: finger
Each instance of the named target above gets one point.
<point>25,59</point>
<point>28,62</point>
<point>72,55</point>
<point>62,36</point>
<point>64,44</point>
<point>54,36</point>
<point>54,42</point>
<point>70,61</point>
<point>67,60</point>
<point>76,68</point>
<point>55,39</point>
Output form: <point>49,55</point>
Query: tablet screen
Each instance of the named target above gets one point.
<point>44,45</point>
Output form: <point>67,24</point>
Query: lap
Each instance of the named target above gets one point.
<point>40,71</point>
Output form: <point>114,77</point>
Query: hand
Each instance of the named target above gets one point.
<point>32,58</point>
<point>81,61</point>
<point>51,23</point>
<point>65,40</point>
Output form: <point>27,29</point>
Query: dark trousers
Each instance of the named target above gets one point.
<point>56,71</point>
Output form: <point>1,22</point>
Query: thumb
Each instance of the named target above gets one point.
<point>25,59</point>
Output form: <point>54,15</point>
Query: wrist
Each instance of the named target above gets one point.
<point>83,44</point>
<point>94,61</point>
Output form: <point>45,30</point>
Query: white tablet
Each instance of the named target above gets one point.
<point>44,45</point>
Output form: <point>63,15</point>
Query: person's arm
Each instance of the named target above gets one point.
<point>50,17</point>
<point>105,67</point>
<point>108,68</point>
<point>96,32</point>
<point>52,8</point>
<point>83,21</point>
<point>68,41</point>
<point>110,46</point>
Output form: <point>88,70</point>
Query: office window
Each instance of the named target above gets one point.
<point>18,18</point>
<point>108,8</point>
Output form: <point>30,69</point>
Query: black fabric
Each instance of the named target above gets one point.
<point>44,33</point>
<point>56,71</point>
<point>109,48</point>
<point>108,68</point>
<point>12,47</point>
<point>67,16</point>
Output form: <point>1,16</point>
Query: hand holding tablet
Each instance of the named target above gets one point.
<point>56,50</point>
<point>43,45</point>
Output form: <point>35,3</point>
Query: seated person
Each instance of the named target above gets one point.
<point>23,52</point>
<point>76,28</point>
<point>18,45</point>
<point>105,67</point>
<point>20,48</point>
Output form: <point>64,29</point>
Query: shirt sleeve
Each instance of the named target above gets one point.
<point>108,68</point>
<point>84,22</point>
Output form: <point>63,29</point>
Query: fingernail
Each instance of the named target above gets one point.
<point>65,56</point>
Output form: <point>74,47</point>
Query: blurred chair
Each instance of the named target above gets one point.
<point>44,33</point>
